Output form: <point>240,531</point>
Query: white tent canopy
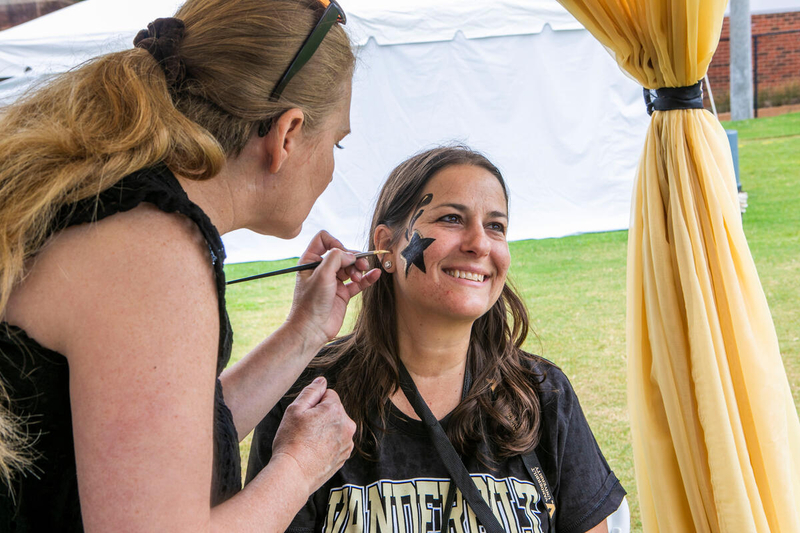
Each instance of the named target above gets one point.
<point>519,80</point>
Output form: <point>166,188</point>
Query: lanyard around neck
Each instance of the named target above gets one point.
<point>452,462</point>
<point>455,466</point>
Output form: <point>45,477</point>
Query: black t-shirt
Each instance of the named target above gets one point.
<point>405,486</point>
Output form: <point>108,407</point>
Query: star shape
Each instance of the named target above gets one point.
<point>413,253</point>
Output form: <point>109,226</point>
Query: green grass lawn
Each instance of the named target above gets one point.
<point>575,290</point>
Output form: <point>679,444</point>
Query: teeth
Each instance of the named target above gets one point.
<point>465,275</point>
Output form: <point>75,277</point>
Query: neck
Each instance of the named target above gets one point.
<point>215,197</point>
<point>435,354</point>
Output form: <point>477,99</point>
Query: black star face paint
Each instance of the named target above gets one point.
<point>413,254</point>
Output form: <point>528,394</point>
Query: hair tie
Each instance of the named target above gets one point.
<point>162,38</point>
<point>670,98</point>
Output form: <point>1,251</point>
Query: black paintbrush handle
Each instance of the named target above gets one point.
<point>298,268</point>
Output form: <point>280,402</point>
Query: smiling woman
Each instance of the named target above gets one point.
<point>439,338</point>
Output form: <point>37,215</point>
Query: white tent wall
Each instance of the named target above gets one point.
<point>548,106</point>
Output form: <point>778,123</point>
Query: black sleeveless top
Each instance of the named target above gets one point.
<point>37,379</point>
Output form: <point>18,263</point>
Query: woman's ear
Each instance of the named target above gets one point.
<point>283,138</point>
<point>382,237</point>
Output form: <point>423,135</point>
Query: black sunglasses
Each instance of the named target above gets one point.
<point>333,14</point>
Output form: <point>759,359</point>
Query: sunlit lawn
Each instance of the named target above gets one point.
<point>575,290</point>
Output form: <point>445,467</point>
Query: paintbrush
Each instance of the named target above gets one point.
<point>300,268</point>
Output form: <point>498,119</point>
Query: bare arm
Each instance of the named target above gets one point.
<point>131,302</point>
<point>256,383</point>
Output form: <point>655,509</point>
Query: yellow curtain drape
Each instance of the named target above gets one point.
<point>716,437</point>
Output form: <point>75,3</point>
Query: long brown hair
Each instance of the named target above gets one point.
<point>502,405</point>
<point>90,127</point>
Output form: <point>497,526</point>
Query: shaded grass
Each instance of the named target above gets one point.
<point>575,291</point>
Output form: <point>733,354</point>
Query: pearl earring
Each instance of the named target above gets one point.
<point>387,265</point>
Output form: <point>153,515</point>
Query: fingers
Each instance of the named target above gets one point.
<point>362,264</point>
<point>319,245</point>
<point>324,245</point>
<point>332,401</point>
<point>353,273</point>
<point>311,395</point>
<point>366,280</point>
<point>320,438</point>
<point>348,271</point>
<point>335,263</point>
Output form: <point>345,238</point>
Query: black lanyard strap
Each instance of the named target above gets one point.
<point>537,475</point>
<point>458,472</point>
<point>452,462</point>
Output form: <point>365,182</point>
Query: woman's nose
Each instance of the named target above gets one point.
<point>476,241</point>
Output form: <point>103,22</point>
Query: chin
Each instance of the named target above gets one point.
<point>279,232</point>
<point>294,233</point>
<point>461,312</point>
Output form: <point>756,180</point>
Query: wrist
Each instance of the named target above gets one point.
<point>309,337</point>
<point>288,469</point>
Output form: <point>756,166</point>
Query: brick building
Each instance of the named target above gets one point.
<point>13,12</point>
<point>776,55</point>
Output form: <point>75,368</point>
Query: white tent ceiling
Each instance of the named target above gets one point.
<point>519,80</point>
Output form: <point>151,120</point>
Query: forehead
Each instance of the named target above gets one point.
<point>338,121</point>
<point>469,185</point>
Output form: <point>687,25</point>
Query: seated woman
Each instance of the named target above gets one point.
<point>446,314</point>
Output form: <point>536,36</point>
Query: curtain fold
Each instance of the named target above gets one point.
<point>716,436</point>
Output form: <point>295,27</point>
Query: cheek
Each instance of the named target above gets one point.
<point>326,170</point>
<point>502,262</point>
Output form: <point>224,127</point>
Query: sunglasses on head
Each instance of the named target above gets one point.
<point>333,13</point>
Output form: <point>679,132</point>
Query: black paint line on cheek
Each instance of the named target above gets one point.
<point>422,203</point>
<point>413,254</point>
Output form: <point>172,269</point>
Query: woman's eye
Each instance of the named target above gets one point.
<point>451,218</point>
<point>339,146</point>
<point>497,226</point>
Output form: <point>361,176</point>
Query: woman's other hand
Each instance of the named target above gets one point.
<point>320,301</point>
<point>321,295</point>
<point>315,433</point>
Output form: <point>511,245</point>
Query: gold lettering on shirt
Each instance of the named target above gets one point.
<point>345,509</point>
<point>415,506</point>
<point>432,496</point>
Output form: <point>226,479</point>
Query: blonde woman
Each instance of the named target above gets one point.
<point>116,181</point>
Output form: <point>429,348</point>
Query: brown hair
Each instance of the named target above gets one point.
<point>502,406</point>
<point>116,114</point>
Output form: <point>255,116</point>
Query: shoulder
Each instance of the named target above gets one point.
<point>559,405</point>
<point>585,488</point>
<point>551,382</point>
<point>139,258</point>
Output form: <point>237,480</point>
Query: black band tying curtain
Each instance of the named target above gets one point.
<point>671,98</point>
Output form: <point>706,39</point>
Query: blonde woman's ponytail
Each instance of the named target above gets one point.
<point>188,102</point>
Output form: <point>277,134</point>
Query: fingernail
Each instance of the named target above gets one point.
<point>318,379</point>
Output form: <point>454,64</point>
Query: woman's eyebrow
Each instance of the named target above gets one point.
<point>464,209</point>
